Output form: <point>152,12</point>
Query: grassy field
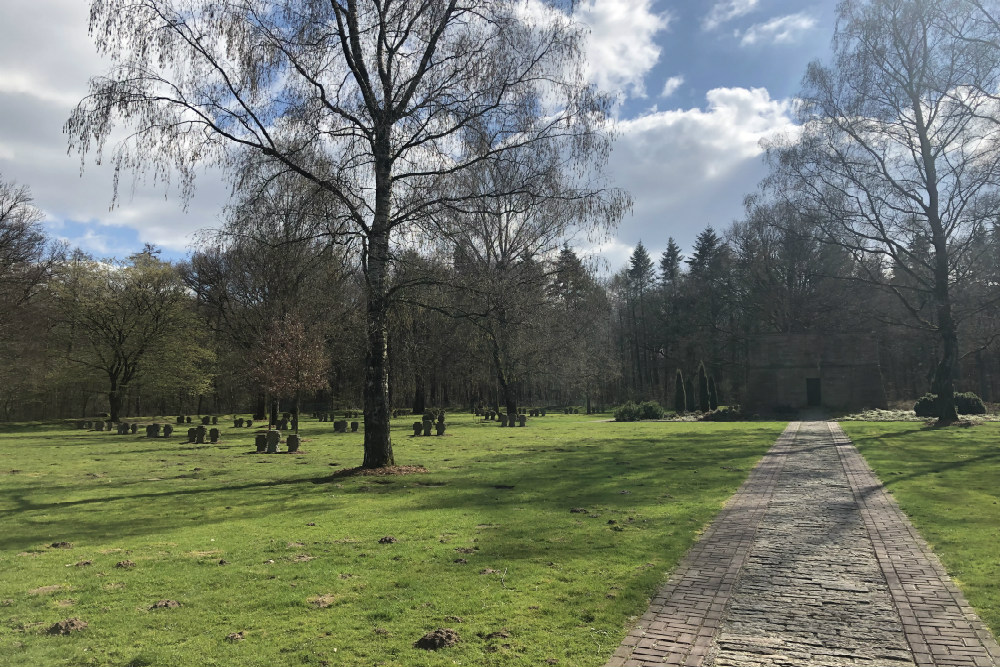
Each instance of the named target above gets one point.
<point>948,483</point>
<point>284,551</point>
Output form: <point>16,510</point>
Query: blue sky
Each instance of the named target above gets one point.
<point>700,83</point>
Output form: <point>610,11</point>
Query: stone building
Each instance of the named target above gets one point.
<point>839,372</point>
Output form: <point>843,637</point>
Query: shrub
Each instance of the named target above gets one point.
<point>966,403</point>
<point>650,410</point>
<point>731,413</point>
<point>627,412</point>
<point>926,406</point>
<point>633,412</point>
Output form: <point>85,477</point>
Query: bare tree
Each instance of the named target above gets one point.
<point>897,159</point>
<point>375,101</point>
<point>505,240</point>
<point>26,255</point>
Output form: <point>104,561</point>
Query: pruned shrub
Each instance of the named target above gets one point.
<point>926,406</point>
<point>966,403</point>
<point>628,412</point>
<point>650,410</point>
<point>633,412</point>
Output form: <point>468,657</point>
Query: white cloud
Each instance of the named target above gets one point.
<point>622,48</point>
<point>671,86</point>
<point>781,30</point>
<point>689,168</point>
<point>727,10</point>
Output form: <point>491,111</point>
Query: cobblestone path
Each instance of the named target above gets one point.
<point>810,563</point>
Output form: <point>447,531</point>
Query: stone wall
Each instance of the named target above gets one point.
<point>846,367</point>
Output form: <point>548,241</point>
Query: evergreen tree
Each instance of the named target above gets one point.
<point>670,262</point>
<point>680,396</point>
<point>704,404</point>
<point>713,393</point>
<point>689,395</point>
<point>707,252</point>
<point>640,269</point>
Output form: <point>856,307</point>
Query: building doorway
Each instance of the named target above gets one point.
<point>814,396</point>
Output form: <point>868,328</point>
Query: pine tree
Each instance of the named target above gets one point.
<point>689,395</point>
<point>704,404</point>
<point>670,262</point>
<point>707,252</point>
<point>680,396</point>
<point>713,393</point>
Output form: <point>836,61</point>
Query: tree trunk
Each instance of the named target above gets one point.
<point>944,374</point>
<point>419,402</point>
<point>114,400</point>
<point>378,439</point>
<point>260,406</point>
<point>378,442</point>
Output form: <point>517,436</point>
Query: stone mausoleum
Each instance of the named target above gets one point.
<point>839,372</point>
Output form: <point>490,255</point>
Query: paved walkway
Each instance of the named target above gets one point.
<point>811,562</point>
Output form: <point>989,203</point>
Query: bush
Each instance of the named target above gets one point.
<point>627,412</point>
<point>731,413</point>
<point>925,406</point>
<point>633,412</point>
<point>650,410</point>
<point>966,403</point>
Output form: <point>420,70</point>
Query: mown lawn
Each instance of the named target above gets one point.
<point>282,550</point>
<point>948,482</point>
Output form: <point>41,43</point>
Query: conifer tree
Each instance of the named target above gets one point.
<point>680,396</point>
<point>713,393</point>
<point>704,404</point>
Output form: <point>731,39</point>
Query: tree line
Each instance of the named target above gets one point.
<point>410,179</point>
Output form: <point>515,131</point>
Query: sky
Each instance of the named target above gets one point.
<point>699,82</point>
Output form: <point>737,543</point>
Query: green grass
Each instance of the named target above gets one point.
<point>948,483</point>
<point>565,585</point>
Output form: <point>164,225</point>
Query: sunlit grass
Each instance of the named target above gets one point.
<point>947,480</point>
<point>485,542</point>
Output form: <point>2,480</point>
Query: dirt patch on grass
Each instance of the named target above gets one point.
<point>438,639</point>
<point>322,601</point>
<point>165,604</point>
<point>302,558</point>
<point>65,603</point>
<point>379,472</point>
<point>45,590</point>
<point>68,626</point>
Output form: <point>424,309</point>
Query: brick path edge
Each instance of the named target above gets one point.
<point>940,626</point>
<point>684,616</point>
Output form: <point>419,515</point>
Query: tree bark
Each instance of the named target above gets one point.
<point>114,400</point>
<point>378,439</point>
<point>419,402</point>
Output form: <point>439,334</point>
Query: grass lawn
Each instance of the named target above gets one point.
<point>280,549</point>
<point>948,483</point>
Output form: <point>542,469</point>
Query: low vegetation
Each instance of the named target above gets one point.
<point>945,479</point>
<point>533,545</point>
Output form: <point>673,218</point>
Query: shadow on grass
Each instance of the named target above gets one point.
<point>616,476</point>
